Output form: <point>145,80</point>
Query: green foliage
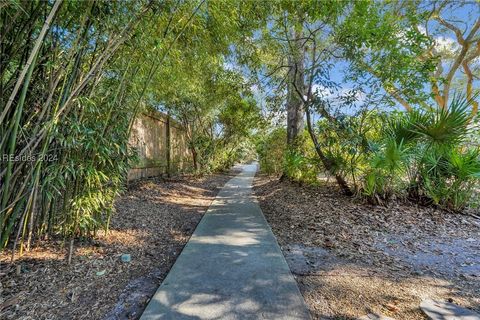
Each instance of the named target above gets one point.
<point>68,130</point>
<point>99,65</point>
<point>347,142</point>
<point>301,168</point>
<point>383,177</point>
<point>384,40</point>
<point>271,150</point>
<point>427,156</point>
<point>70,93</point>
<point>276,158</point>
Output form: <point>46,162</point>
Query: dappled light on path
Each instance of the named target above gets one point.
<point>232,267</point>
<point>153,220</point>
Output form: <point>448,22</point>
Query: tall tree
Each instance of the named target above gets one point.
<point>300,36</point>
<point>296,76</point>
<point>410,46</point>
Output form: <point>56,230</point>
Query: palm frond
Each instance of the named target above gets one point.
<point>446,125</point>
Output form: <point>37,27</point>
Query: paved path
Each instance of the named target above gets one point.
<point>232,267</point>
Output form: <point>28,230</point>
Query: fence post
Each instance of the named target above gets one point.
<point>167,137</point>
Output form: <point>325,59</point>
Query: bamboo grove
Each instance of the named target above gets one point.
<point>74,74</point>
<point>57,132</point>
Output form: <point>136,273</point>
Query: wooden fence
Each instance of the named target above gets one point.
<point>161,145</point>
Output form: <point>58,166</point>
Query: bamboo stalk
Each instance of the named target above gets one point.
<point>31,58</point>
<point>12,144</point>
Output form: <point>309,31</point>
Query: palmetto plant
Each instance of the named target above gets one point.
<point>444,126</point>
<point>387,167</point>
<point>448,167</point>
<point>427,151</point>
<point>299,167</point>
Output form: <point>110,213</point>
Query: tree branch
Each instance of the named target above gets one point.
<point>465,43</point>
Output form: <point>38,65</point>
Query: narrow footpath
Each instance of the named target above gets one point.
<point>232,267</point>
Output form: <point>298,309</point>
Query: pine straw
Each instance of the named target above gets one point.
<point>365,270</point>
<point>154,220</point>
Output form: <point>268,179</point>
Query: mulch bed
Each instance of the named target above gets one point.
<point>351,258</point>
<point>153,221</point>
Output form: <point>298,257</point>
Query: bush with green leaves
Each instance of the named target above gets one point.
<point>301,168</point>
<point>431,157</point>
<point>427,156</point>
<point>347,142</point>
<point>301,163</point>
<point>298,164</point>
<point>271,148</point>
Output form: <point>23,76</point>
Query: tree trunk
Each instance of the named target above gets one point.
<point>295,122</point>
<point>327,163</point>
<point>195,159</point>
<point>296,74</point>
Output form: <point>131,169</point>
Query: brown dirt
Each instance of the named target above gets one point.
<point>154,220</point>
<point>351,259</point>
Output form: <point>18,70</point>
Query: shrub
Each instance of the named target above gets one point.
<point>299,167</point>
<point>271,149</point>
<point>348,141</point>
<point>427,156</point>
<point>299,164</point>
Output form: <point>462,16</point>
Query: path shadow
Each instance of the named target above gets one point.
<point>232,267</point>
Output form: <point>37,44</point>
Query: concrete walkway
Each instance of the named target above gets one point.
<point>232,267</point>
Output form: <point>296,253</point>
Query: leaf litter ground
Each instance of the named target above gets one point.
<point>154,220</point>
<point>351,259</point>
